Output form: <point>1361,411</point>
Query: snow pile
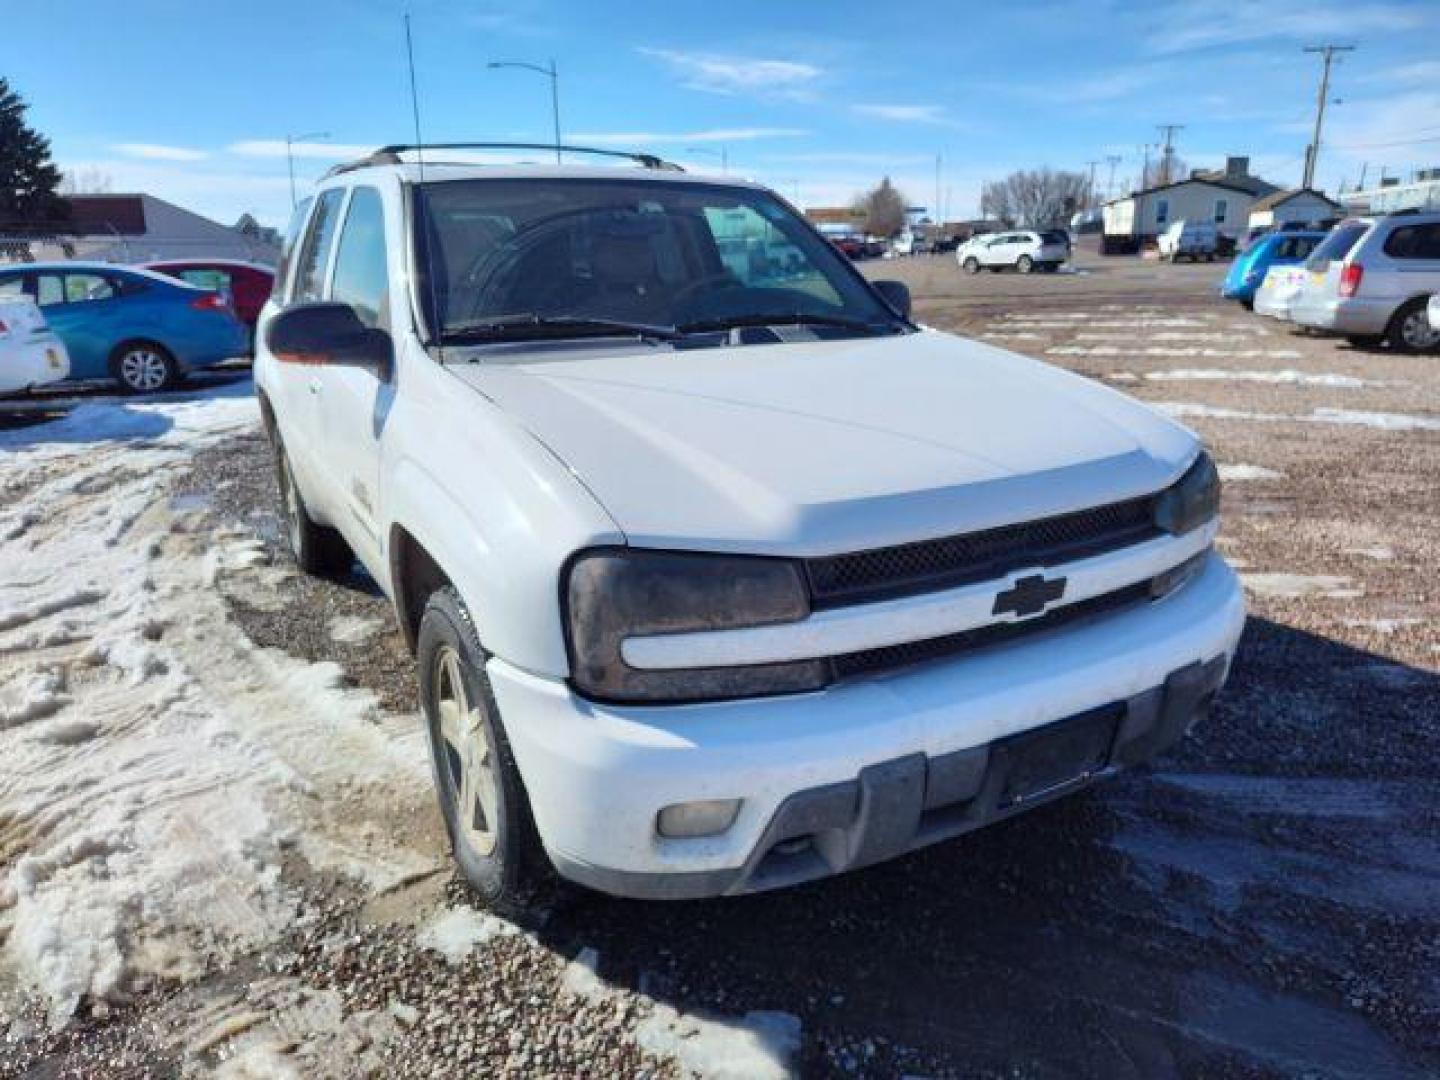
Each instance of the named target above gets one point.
<point>1288,377</point>
<point>1349,417</point>
<point>759,1046</point>
<point>1232,473</point>
<point>155,765</point>
<point>1295,586</point>
<point>456,932</point>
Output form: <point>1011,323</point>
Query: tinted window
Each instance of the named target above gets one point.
<point>310,270</point>
<point>1414,242</point>
<point>287,250</point>
<point>207,278</point>
<point>1336,246</point>
<point>361,276</point>
<point>1162,212</point>
<point>1222,207</point>
<point>49,290</point>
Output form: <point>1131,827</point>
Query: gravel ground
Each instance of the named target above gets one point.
<point>1264,902</point>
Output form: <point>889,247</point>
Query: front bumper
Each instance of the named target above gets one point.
<point>866,770</point>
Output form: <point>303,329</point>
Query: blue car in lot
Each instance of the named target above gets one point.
<point>1271,249</point>
<point>143,329</point>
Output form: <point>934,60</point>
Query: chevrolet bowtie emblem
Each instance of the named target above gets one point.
<point>1029,596</point>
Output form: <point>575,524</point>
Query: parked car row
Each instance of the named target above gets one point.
<point>144,327</point>
<point>1368,280</point>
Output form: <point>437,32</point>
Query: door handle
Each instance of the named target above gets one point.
<point>314,385</point>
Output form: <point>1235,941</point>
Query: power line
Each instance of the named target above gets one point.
<point>1313,152</point>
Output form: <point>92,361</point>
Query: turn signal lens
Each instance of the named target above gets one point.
<point>706,817</point>
<point>1192,500</point>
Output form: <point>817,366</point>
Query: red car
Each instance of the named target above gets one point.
<point>246,285</point>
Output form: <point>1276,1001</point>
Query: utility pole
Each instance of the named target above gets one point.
<point>935,213</point>
<point>1112,160</point>
<point>1312,152</point>
<point>1168,131</point>
<point>1145,168</point>
<point>1090,185</point>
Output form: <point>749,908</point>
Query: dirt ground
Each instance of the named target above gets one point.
<point>1264,901</point>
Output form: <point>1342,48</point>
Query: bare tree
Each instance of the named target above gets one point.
<point>1158,175</point>
<point>882,209</point>
<point>87,182</point>
<point>1034,197</point>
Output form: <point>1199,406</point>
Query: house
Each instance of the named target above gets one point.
<point>1223,196</point>
<point>138,228</point>
<point>1296,206</point>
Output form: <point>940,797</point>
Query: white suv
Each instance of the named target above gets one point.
<point>1370,280</point>
<point>1023,251</point>
<point>721,576</point>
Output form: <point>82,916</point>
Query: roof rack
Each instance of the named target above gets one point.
<point>390,155</point>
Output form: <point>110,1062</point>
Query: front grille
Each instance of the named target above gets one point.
<point>951,561</point>
<point>872,661</point>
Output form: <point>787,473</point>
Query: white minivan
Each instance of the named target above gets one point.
<point>720,576</point>
<point>1193,240</point>
<point>30,353</point>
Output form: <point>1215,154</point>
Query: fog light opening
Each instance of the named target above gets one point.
<point>705,817</point>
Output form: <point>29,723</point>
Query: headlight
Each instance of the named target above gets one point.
<point>615,593</point>
<point>1192,500</point>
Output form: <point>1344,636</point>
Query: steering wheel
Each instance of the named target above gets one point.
<point>723,277</point>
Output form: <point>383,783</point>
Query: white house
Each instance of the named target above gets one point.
<point>1224,197</point>
<point>138,228</point>
<point>1297,206</point>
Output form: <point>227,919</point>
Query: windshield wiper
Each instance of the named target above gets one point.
<point>504,327</point>
<point>791,318</point>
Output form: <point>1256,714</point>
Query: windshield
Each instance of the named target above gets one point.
<point>1336,246</point>
<point>514,258</point>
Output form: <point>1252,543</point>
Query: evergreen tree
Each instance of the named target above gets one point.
<point>29,180</point>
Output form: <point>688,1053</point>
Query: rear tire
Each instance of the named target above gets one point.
<point>144,367</point>
<point>1410,330</point>
<point>317,549</point>
<point>1024,264</point>
<point>482,798</point>
<point>971,265</point>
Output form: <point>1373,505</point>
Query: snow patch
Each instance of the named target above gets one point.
<point>1384,626</point>
<point>458,930</point>
<point>760,1046</point>
<point>581,976</point>
<point>1233,473</point>
<point>353,629</point>
<point>1294,586</point>
<point>32,696</point>
<point>1379,552</point>
<point>1286,377</point>
<point>1381,421</point>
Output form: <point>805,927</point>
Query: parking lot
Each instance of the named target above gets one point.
<point>1264,902</point>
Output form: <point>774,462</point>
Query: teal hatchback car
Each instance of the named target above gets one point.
<point>142,329</point>
<point>1270,249</point>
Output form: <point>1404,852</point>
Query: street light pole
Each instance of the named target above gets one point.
<point>290,141</point>
<point>553,74</point>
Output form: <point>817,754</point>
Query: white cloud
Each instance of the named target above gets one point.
<point>1422,71</point>
<point>1198,24</point>
<point>718,74</point>
<point>157,152</point>
<point>851,157</point>
<point>322,151</point>
<point>709,135</point>
<point>905,114</point>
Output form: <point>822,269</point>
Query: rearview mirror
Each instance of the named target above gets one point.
<point>329,334</point>
<point>896,294</point>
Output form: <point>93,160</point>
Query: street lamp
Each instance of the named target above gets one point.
<point>554,76</point>
<point>290,141</point>
<point>722,154</point>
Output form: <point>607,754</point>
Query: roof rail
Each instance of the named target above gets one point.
<point>390,155</point>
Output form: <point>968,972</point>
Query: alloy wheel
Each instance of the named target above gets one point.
<point>467,757</point>
<point>144,370</point>
<point>1416,331</point>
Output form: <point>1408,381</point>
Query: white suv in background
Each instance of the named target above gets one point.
<point>720,577</point>
<point>1022,250</point>
<point>1370,280</point>
<point>30,353</point>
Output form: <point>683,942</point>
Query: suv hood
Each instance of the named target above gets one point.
<point>809,448</point>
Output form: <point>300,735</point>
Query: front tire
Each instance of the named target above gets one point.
<point>317,549</point>
<point>482,799</point>
<point>971,265</point>
<point>144,367</point>
<point>1410,330</point>
<point>1024,264</point>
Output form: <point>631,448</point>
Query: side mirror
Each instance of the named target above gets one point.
<point>329,334</point>
<point>896,294</point>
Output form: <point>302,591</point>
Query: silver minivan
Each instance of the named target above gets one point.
<point>1370,279</point>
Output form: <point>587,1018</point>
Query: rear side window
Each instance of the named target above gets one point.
<point>12,286</point>
<point>207,278</point>
<point>315,254</point>
<point>1414,242</point>
<point>362,272</point>
<point>1336,246</point>
<point>82,287</point>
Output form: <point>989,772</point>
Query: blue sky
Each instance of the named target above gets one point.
<point>192,102</point>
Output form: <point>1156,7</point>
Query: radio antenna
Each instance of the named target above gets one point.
<point>432,314</point>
